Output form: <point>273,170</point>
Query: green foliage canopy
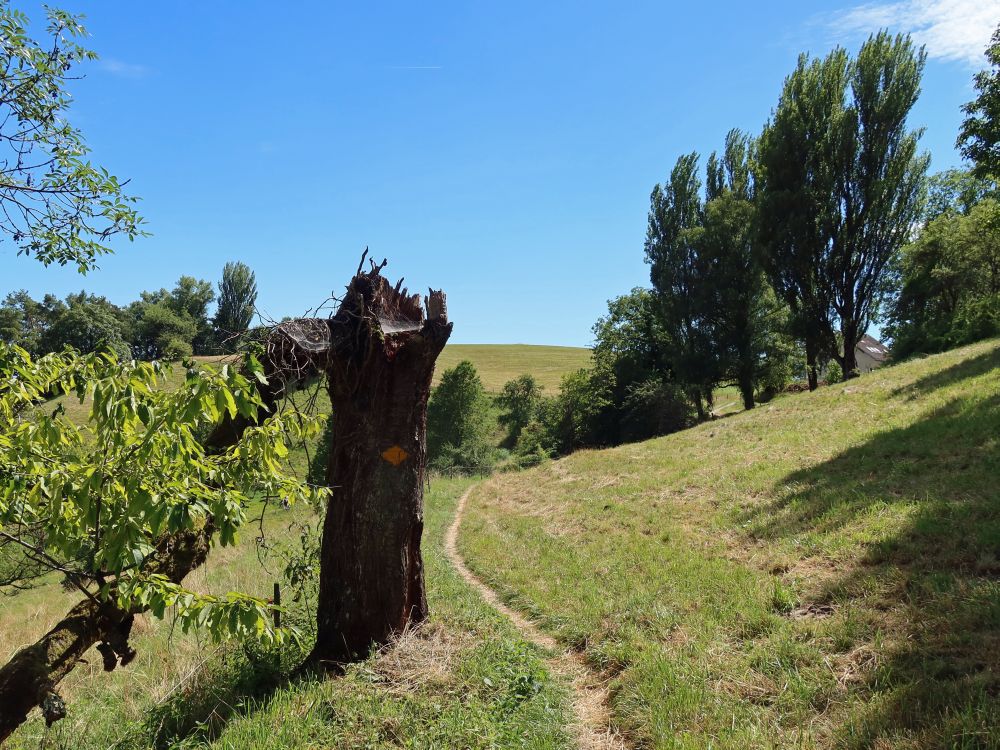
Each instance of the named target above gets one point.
<point>88,324</point>
<point>91,501</point>
<point>59,207</point>
<point>950,283</point>
<point>841,186</point>
<point>746,323</point>
<point>677,276</point>
<point>979,138</point>
<point>460,422</point>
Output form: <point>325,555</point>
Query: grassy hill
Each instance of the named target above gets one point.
<point>820,572</point>
<point>495,363</point>
<point>823,571</point>
<point>498,363</point>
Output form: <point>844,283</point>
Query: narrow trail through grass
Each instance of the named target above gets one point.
<point>592,727</point>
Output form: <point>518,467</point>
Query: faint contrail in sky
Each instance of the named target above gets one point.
<point>413,67</point>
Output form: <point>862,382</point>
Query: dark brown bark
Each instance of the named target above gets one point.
<point>379,368</point>
<point>698,404</point>
<point>31,676</point>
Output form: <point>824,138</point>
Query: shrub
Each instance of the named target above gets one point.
<point>654,408</point>
<point>173,348</point>
<point>583,415</point>
<point>460,423</point>
<point>834,373</point>
<point>534,444</point>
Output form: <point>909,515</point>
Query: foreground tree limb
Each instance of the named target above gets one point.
<point>30,678</point>
<point>32,675</point>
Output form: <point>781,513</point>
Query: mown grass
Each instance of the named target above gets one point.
<point>821,572</point>
<point>465,679</point>
<point>499,363</point>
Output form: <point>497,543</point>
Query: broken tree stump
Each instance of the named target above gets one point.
<point>379,363</point>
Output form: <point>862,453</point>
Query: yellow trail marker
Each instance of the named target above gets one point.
<point>395,455</point>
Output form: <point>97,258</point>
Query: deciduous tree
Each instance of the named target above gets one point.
<point>460,422</point>
<point>58,206</point>
<point>796,197</point>
<point>841,185</point>
<point>979,138</point>
<point>237,298</point>
<point>879,181</point>
<point>949,283</point>
<point>518,401</point>
<point>126,505</point>
<point>676,273</point>
<point>746,322</point>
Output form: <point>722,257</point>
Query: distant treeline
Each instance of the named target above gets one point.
<point>165,324</point>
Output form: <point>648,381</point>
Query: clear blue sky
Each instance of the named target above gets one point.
<point>504,151</point>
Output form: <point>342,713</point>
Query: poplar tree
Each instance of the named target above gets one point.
<point>796,197</point>
<point>237,298</point>
<point>840,186</point>
<point>879,181</point>
<point>742,315</point>
<point>675,218</point>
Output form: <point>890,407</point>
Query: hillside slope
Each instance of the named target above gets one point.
<point>498,363</point>
<point>823,571</point>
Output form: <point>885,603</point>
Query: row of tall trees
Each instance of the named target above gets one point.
<point>793,235</point>
<point>771,262</point>
<point>165,324</point>
<point>949,276</point>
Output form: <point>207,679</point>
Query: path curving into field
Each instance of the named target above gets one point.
<point>592,725</point>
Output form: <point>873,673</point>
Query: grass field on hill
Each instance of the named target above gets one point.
<point>499,363</point>
<point>821,572</point>
<point>464,680</point>
<point>495,363</point>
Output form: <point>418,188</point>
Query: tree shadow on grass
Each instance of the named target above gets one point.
<point>967,368</point>
<point>923,502</point>
<point>234,683</point>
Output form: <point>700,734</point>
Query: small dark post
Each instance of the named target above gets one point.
<point>277,603</point>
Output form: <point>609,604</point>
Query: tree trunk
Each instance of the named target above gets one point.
<point>696,397</point>
<point>812,371</point>
<point>379,367</point>
<point>746,390</point>
<point>849,362</point>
